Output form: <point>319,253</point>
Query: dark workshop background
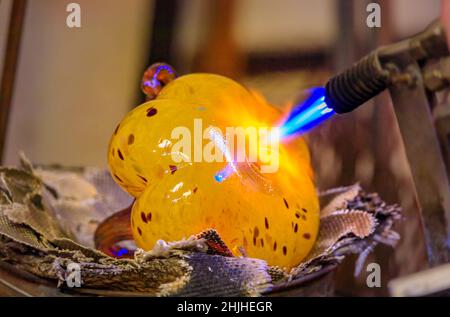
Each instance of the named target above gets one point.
<point>72,86</point>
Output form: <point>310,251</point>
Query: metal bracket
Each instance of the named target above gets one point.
<point>412,104</point>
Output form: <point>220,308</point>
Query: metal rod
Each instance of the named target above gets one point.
<point>412,108</point>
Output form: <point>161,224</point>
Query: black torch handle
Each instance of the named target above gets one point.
<point>368,77</point>
<point>358,84</point>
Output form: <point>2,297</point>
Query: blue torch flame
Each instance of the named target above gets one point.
<point>302,118</point>
<point>307,115</point>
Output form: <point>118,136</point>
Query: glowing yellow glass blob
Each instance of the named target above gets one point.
<point>274,216</point>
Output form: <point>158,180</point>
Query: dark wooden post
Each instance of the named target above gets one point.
<point>10,67</point>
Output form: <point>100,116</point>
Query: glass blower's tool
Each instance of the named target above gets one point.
<point>363,81</point>
<point>374,73</point>
<point>398,67</point>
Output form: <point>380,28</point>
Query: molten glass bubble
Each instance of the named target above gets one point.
<point>273,216</point>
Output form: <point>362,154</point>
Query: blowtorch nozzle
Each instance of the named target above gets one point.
<point>358,84</point>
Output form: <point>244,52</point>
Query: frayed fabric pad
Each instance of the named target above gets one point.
<point>48,217</point>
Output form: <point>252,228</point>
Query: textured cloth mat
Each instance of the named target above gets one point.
<point>48,217</point>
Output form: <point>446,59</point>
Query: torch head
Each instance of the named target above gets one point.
<point>371,75</point>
